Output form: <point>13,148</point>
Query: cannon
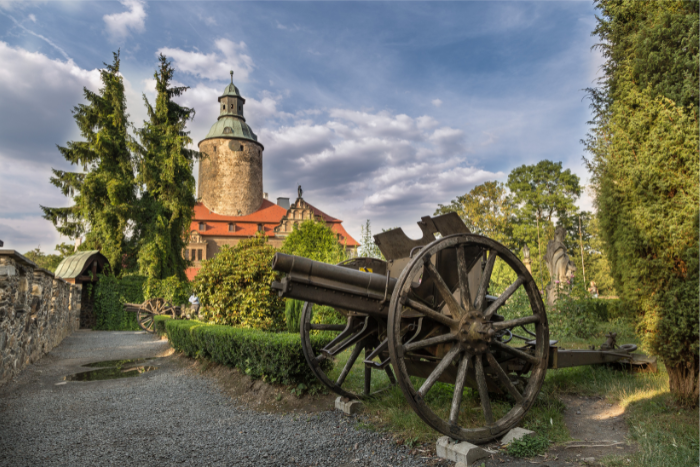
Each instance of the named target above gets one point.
<point>430,319</point>
<point>147,311</point>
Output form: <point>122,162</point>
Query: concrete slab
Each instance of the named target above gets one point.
<point>516,433</point>
<point>347,406</point>
<point>459,451</point>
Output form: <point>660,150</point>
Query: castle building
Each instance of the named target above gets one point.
<point>231,204</point>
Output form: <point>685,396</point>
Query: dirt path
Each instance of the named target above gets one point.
<point>598,430</point>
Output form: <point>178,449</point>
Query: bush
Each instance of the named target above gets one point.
<point>273,357</point>
<point>316,241</point>
<point>292,314</point>
<point>171,289</point>
<point>110,294</point>
<point>234,287</point>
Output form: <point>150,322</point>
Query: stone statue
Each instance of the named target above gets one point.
<point>526,258</point>
<point>561,268</point>
<point>300,191</point>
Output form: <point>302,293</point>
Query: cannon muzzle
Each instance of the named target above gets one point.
<point>332,285</point>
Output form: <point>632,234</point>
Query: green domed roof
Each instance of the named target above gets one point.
<point>231,90</point>
<point>230,127</point>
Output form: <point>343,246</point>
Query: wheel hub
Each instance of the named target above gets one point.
<point>473,334</point>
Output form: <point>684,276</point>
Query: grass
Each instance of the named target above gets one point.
<point>666,434</point>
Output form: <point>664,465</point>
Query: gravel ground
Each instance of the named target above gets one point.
<point>171,416</point>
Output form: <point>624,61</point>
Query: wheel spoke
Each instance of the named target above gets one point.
<point>485,280</point>
<point>455,309</point>
<point>503,377</point>
<point>517,352</point>
<point>483,390</point>
<point>464,292</point>
<point>503,297</point>
<point>368,372</point>
<point>515,322</point>
<point>459,387</point>
<point>419,307</point>
<point>428,342</point>
<point>439,370</point>
<point>348,365</point>
<point>390,374</point>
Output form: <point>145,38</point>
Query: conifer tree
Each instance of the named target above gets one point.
<point>104,192</point>
<point>165,177</point>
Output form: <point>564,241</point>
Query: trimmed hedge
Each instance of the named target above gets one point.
<point>273,357</point>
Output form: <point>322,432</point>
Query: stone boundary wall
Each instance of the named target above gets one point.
<point>37,311</point>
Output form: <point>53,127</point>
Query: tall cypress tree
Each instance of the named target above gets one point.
<point>105,191</point>
<point>165,176</point>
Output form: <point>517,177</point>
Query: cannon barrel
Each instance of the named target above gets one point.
<point>328,284</point>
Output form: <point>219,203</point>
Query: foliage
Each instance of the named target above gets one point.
<point>314,240</point>
<point>234,287</point>
<point>292,314</point>
<point>165,176</point>
<point>273,357</point>
<point>110,294</point>
<point>529,446</point>
<point>487,210</point>
<point>45,260</point>
<point>368,249</point>
<point>172,289</point>
<point>645,170</point>
<point>104,193</point>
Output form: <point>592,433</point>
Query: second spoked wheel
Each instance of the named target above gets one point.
<point>146,315</point>
<point>355,361</point>
<point>479,359</point>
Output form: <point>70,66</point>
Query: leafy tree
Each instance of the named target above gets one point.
<point>165,176</point>
<point>368,249</point>
<point>44,260</point>
<point>487,210</point>
<point>314,240</point>
<point>104,193</point>
<point>234,287</point>
<point>644,147</point>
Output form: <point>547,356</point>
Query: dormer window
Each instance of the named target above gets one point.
<point>202,226</point>
<point>231,227</point>
<point>260,227</point>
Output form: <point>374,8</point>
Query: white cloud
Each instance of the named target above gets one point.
<point>215,65</point>
<point>119,25</point>
<point>436,102</point>
<point>32,18</point>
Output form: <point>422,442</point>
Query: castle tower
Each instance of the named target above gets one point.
<point>230,171</point>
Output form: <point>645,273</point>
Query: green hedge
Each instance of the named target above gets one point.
<point>273,357</point>
<point>110,294</point>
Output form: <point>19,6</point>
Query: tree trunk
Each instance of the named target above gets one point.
<point>683,382</point>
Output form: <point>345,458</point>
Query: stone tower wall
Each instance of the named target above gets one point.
<point>230,176</point>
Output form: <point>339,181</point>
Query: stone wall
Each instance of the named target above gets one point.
<point>37,311</point>
<point>230,176</point>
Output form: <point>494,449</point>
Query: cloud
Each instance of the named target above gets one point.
<point>32,18</point>
<point>436,102</point>
<point>215,65</point>
<point>38,94</point>
<point>119,25</point>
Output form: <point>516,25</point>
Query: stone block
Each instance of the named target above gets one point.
<point>8,270</point>
<point>459,451</point>
<point>348,407</point>
<point>516,433</point>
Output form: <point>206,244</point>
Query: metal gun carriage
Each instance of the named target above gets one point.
<point>426,315</point>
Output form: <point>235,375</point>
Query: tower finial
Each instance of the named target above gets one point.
<point>231,76</point>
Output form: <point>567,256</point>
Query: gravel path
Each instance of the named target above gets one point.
<point>171,416</point>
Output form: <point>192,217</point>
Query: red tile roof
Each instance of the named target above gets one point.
<point>269,215</point>
<point>191,273</point>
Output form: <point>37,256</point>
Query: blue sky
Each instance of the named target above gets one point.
<point>380,110</point>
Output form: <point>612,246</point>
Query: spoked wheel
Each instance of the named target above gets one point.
<point>468,338</point>
<point>359,346</point>
<point>146,315</point>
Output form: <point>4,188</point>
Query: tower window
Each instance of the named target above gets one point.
<point>231,107</point>
<point>224,107</point>
<point>228,130</point>
<point>241,147</point>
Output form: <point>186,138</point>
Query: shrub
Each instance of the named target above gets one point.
<point>273,357</point>
<point>110,293</point>
<point>171,289</point>
<point>314,240</point>
<point>292,314</point>
<point>234,287</point>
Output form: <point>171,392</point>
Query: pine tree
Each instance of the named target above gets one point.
<point>104,192</point>
<point>165,177</point>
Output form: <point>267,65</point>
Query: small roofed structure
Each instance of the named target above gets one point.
<point>82,267</point>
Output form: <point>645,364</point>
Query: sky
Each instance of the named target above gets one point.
<point>379,110</point>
